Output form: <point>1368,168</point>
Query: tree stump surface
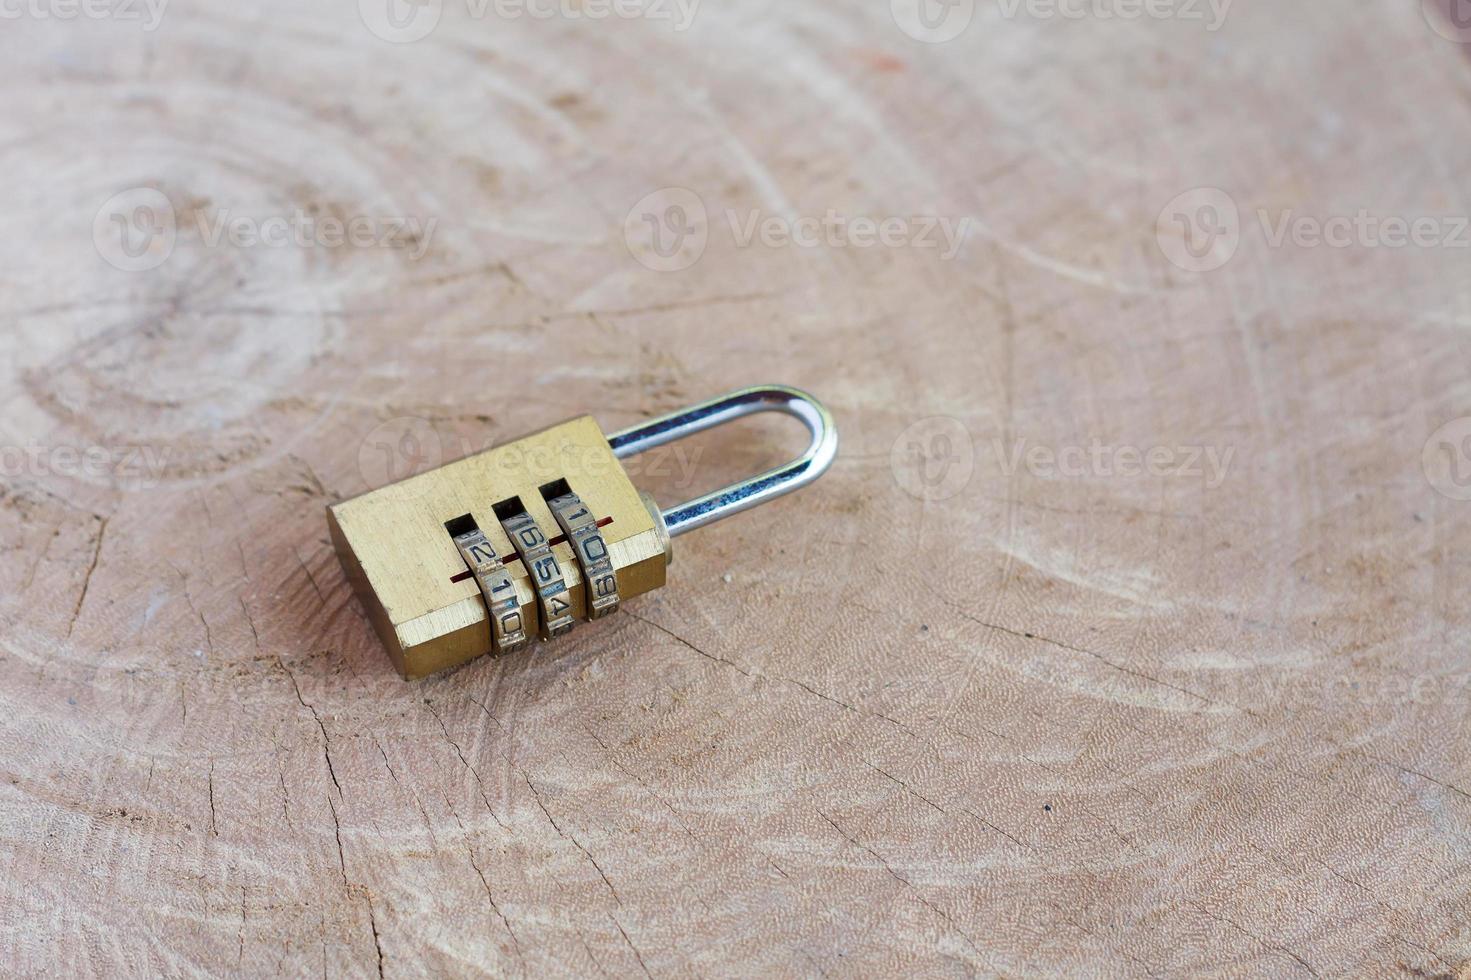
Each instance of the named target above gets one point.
<point>1127,635</point>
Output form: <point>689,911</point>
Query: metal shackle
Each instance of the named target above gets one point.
<point>717,411</point>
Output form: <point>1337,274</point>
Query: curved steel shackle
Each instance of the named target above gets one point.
<point>747,494</point>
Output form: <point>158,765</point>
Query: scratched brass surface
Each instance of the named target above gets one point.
<point>394,546</point>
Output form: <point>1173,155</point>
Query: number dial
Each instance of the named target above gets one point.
<point>507,628</point>
<point>600,582</point>
<point>552,595</point>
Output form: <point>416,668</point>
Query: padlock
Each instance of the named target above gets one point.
<point>526,540</point>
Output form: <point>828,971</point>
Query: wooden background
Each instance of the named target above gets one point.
<point>942,714</point>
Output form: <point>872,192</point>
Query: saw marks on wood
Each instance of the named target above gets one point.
<point>1125,637</point>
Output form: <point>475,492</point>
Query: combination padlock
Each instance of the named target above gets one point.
<point>525,540</point>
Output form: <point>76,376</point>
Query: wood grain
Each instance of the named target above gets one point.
<point>955,710</point>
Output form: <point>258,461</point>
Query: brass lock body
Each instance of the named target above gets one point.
<point>527,540</point>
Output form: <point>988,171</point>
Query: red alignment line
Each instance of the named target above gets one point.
<point>514,556</point>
